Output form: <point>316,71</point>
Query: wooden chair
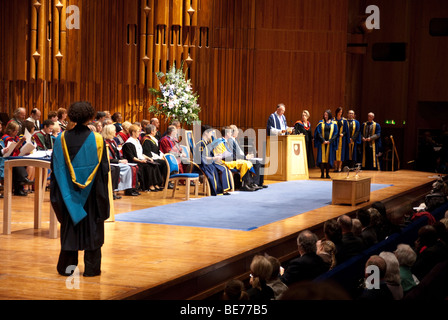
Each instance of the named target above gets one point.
<point>173,175</point>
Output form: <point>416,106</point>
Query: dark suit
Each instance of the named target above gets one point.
<point>369,236</point>
<point>349,247</point>
<point>305,267</point>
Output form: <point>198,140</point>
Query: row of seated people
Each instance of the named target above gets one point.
<point>401,270</point>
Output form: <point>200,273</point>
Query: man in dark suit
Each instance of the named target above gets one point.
<point>308,265</point>
<point>368,233</point>
<point>350,244</point>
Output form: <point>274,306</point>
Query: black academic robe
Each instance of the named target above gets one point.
<point>88,234</point>
<point>148,174</point>
<point>150,147</point>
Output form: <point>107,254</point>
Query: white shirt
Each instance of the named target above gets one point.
<point>138,147</point>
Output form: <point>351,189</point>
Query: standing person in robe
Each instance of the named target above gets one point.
<point>343,139</point>
<point>371,143</point>
<point>217,173</point>
<point>277,125</point>
<point>326,143</point>
<point>79,192</point>
<point>303,126</point>
<point>354,129</point>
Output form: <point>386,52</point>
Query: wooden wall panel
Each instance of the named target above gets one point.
<point>247,55</point>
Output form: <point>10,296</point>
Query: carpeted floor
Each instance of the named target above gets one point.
<point>242,210</point>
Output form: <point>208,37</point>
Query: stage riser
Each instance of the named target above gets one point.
<point>209,282</point>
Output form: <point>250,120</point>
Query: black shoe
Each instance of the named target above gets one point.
<point>131,193</point>
<point>21,193</point>
<point>226,193</point>
<point>256,187</point>
<point>328,176</point>
<point>170,185</point>
<point>117,197</point>
<point>246,188</point>
<point>92,274</point>
<point>264,186</point>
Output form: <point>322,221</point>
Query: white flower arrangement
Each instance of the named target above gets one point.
<point>175,98</point>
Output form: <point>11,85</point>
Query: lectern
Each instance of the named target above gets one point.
<point>286,158</point>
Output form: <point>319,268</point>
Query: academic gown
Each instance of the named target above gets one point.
<point>372,162</point>
<point>149,147</point>
<point>217,174</point>
<point>342,152</point>
<point>148,173</point>
<point>354,129</point>
<point>326,153</point>
<point>88,234</point>
<point>299,128</point>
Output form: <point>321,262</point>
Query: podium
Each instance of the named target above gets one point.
<point>286,158</point>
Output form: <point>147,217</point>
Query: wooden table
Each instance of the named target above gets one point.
<point>41,173</point>
<point>351,190</point>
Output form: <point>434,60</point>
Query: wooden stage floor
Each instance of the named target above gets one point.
<point>166,262</point>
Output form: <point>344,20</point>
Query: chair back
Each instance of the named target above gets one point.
<point>187,151</point>
<point>189,139</point>
<point>171,163</point>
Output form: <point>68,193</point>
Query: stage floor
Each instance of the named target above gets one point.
<point>137,257</point>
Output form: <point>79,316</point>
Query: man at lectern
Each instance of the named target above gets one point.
<point>277,125</point>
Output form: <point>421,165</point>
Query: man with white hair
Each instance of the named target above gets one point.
<point>371,143</point>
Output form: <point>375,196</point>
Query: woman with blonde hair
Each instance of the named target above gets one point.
<point>303,126</point>
<point>261,271</point>
<point>326,249</point>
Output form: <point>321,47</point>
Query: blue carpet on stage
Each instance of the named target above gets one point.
<point>242,210</point>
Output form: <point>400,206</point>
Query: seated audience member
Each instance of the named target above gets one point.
<point>144,124</point>
<point>308,265</point>
<point>151,149</point>
<point>148,174</point>
<point>350,245</point>
<point>261,271</point>
<point>326,249</point>
<point>218,175</point>
<point>356,227</point>
<point>170,144</point>
<point>368,233</point>
<point>235,291</point>
<point>100,116</point>
<point>392,276</point>
<point>406,258</point>
<point>19,119</point>
<point>62,118</point>
<point>19,174</point>
<point>43,138</point>
<point>373,291</point>
<point>156,123</point>
<point>238,154</point>
<point>124,176</point>
<point>123,135</point>
<point>53,116</point>
<point>274,280</point>
<point>384,227</point>
<point>430,251</point>
<point>116,121</point>
<point>35,118</point>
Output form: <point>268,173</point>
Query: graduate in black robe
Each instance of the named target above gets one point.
<point>88,233</point>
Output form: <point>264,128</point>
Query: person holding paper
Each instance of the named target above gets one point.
<point>12,141</point>
<point>43,138</point>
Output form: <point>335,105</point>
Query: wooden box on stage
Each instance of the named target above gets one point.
<point>286,158</point>
<point>351,191</point>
